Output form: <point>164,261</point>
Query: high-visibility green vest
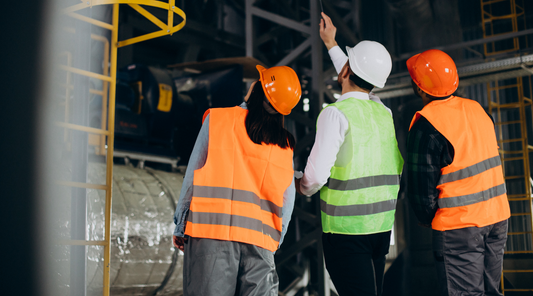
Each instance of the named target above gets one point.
<point>360,198</point>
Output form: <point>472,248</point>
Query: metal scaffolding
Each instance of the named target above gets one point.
<point>508,105</point>
<point>307,53</point>
<point>101,138</point>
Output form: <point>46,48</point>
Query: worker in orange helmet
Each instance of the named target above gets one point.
<point>238,192</point>
<point>455,179</point>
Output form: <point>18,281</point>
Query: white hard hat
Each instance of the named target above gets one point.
<point>370,61</point>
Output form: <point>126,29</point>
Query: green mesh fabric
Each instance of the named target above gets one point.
<point>374,153</point>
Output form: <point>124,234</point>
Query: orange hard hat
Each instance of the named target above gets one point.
<point>434,72</point>
<point>281,86</point>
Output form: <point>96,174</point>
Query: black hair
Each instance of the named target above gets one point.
<point>436,98</point>
<point>263,127</point>
<point>360,82</point>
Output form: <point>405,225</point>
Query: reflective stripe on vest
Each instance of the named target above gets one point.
<point>238,194</point>
<point>363,182</point>
<point>472,170</point>
<point>472,188</point>
<point>360,197</point>
<point>358,210</point>
<point>235,221</point>
<point>465,200</point>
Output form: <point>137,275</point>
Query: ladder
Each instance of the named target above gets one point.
<point>101,138</point>
<point>511,109</point>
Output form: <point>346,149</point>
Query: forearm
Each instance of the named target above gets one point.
<point>196,161</point>
<point>314,179</point>
<point>288,206</point>
<point>332,126</point>
<point>327,31</point>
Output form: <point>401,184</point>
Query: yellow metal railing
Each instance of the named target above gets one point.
<point>511,157</point>
<point>491,12</point>
<point>98,135</point>
<point>508,102</point>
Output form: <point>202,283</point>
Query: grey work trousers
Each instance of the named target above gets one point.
<point>224,268</point>
<point>469,260</point>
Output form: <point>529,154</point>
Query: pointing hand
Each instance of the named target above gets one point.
<point>327,31</point>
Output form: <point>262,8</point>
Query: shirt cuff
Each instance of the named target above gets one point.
<point>309,190</point>
<point>179,230</point>
<point>338,58</point>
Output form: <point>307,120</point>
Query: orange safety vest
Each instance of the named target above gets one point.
<point>472,187</point>
<point>238,194</point>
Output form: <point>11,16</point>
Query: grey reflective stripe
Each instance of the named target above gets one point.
<point>464,200</point>
<point>363,182</point>
<point>358,210</point>
<point>472,170</point>
<point>237,195</point>
<point>234,221</point>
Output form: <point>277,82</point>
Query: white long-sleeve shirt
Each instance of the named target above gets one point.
<point>332,128</point>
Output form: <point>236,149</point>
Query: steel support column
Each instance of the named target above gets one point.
<point>305,57</point>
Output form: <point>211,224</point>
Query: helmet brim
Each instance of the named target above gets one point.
<point>411,67</point>
<point>262,69</point>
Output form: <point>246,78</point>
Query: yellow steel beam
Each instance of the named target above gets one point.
<point>82,128</point>
<point>510,140</point>
<point>85,73</point>
<point>96,92</point>
<point>83,185</point>
<point>518,199</point>
<point>500,87</point>
<point>149,16</point>
<point>491,2</point>
<point>166,29</point>
<point>500,17</point>
<point>170,19</point>
<point>518,252</point>
<point>508,122</point>
<point>142,38</point>
<point>91,3</point>
<point>67,96</point>
<point>104,92</point>
<point>111,145</point>
<point>504,158</point>
<point>170,30</point>
<point>519,233</point>
<point>521,214</point>
<point>513,177</point>
<point>514,158</point>
<point>81,243</point>
<point>90,20</point>
<point>110,87</point>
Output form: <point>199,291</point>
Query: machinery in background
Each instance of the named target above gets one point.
<point>159,112</point>
<point>143,261</point>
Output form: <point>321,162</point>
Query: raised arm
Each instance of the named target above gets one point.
<point>327,31</point>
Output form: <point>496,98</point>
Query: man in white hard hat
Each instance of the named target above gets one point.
<point>356,164</point>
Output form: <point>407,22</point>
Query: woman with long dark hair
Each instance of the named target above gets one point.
<point>238,193</point>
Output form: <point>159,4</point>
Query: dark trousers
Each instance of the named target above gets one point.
<point>356,262</point>
<point>469,260</point>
